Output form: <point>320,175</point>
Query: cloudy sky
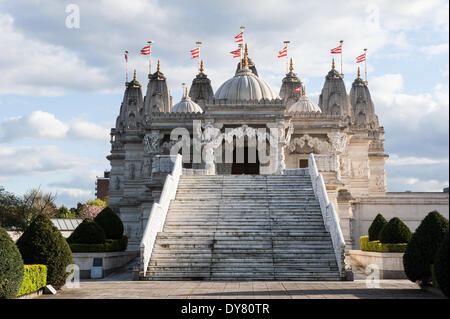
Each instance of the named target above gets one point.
<point>61,87</point>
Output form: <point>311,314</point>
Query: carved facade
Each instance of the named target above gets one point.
<point>345,135</point>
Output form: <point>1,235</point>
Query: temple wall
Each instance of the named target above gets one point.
<point>411,208</point>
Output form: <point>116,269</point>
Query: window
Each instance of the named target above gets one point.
<point>303,163</point>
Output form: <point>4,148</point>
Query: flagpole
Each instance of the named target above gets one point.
<point>241,46</point>
<point>198,43</point>
<point>126,66</point>
<point>342,41</point>
<point>365,64</point>
<point>150,57</point>
<point>287,55</point>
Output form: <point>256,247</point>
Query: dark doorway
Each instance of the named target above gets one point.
<point>303,163</point>
<point>245,167</point>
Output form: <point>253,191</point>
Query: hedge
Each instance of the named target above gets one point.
<point>441,266</point>
<point>395,232</point>
<point>35,278</point>
<point>88,232</point>
<point>110,245</point>
<point>110,222</point>
<point>42,243</point>
<point>11,266</point>
<point>423,246</point>
<point>375,228</point>
<point>377,246</point>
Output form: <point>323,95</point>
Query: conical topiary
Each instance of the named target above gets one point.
<point>422,247</point>
<point>11,266</point>
<point>395,232</point>
<point>111,223</point>
<point>88,232</point>
<point>42,243</point>
<point>441,265</point>
<point>377,225</point>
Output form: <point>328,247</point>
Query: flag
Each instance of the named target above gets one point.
<point>337,50</point>
<point>236,53</point>
<point>195,53</point>
<point>126,56</point>
<point>361,58</point>
<point>239,37</point>
<point>282,53</point>
<point>299,89</point>
<point>145,50</point>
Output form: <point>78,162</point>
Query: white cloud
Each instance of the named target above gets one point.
<point>395,160</point>
<point>31,160</point>
<point>435,49</point>
<point>33,67</point>
<point>40,124</point>
<point>401,184</point>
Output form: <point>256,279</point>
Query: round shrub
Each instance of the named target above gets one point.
<point>11,266</point>
<point>441,266</point>
<point>395,232</point>
<point>377,225</point>
<point>111,223</point>
<point>42,243</point>
<point>88,232</point>
<point>422,247</point>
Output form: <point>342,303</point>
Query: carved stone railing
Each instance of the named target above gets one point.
<point>158,213</point>
<point>329,214</point>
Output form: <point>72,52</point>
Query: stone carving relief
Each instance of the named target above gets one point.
<point>339,142</point>
<point>313,142</point>
<point>152,141</point>
<point>360,169</point>
<point>131,171</point>
<point>117,183</point>
<point>380,183</point>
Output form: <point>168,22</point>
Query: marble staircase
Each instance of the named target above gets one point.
<point>243,227</point>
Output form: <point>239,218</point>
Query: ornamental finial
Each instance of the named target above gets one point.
<point>158,66</point>
<point>332,64</point>
<point>245,55</point>
<point>359,72</point>
<point>291,66</point>
<point>201,66</point>
<point>134,75</point>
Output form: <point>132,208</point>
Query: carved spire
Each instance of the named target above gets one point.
<point>332,64</point>
<point>291,66</point>
<point>359,72</point>
<point>134,75</point>
<point>246,56</point>
<point>158,67</point>
<point>201,66</point>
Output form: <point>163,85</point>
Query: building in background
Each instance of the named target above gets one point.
<point>102,186</point>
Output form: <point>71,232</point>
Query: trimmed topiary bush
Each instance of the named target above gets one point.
<point>395,232</point>
<point>11,266</point>
<point>111,223</point>
<point>110,245</point>
<point>42,243</point>
<point>378,247</point>
<point>35,278</point>
<point>377,225</point>
<point>422,247</point>
<point>88,232</point>
<point>441,266</point>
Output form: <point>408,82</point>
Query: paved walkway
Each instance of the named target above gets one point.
<point>389,289</point>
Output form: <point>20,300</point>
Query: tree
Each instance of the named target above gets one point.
<point>111,223</point>
<point>377,225</point>
<point>12,211</point>
<point>395,232</point>
<point>42,243</point>
<point>92,208</point>
<point>64,212</point>
<point>40,203</point>
<point>11,266</point>
<point>441,265</point>
<point>421,249</point>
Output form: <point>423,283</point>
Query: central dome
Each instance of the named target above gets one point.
<point>245,86</point>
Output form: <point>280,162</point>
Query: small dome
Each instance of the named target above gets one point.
<point>245,86</point>
<point>186,105</point>
<point>304,104</point>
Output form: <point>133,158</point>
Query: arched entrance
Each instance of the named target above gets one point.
<point>250,167</point>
